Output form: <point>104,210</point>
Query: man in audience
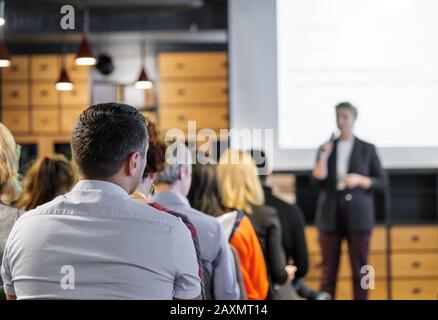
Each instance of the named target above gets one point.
<point>293,225</point>
<point>96,242</point>
<point>173,186</point>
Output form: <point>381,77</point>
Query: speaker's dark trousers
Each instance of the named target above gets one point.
<point>358,247</point>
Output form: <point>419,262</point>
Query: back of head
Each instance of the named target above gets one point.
<point>156,154</point>
<point>46,179</point>
<point>204,194</point>
<point>9,157</point>
<point>104,136</point>
<point>238,181</point>
<point>177,156</point>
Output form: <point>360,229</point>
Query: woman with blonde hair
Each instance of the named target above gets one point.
<point>9,185</point>
<point>241,190</point>
<point>46,179</point>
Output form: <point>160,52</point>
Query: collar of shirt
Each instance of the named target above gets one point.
<point>106,186</point>
<point>171,198</point>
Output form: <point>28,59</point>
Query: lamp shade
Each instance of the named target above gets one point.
<point>143,81</point>
<point>85,55</point>
<point>64,83</point>
<point>5,60</point>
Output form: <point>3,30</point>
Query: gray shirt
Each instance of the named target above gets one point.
<point>216,255</point>
<point>97,243</point>
<point>8,216</point>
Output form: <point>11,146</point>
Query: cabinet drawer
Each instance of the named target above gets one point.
<point>16,121</point>
<point>79,96</point>
<point>45,67</point>
<point>75,72</point>
<point>68,117</point>
<point>15,95</point>
<point>377,261</point>
<point>194,92</point>
<point>44,95</point>
<point>415,289</point>
<point>192,65</point>
<point>414,264</point>
<point>45,121</point>
<point>19,69</point>
<point>414,237</point>
<point>213,118</point>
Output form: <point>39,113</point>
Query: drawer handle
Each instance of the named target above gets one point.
<point>15,94</point>
<point>45,121</point>
<point>225,64</point>
<point>225,91</point>
<point>416,264</point>
<point>181,118</point>
<point>14,68</point>
<point>74,93</point>
<point>44,93</point>
<point>181,92</point>
<point>415,238</point>
<point>43,67</point>
<point>180,65</point>
<point>416,290</point>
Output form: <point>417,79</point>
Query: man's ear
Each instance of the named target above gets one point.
<point>133,163</point>
<point>181,172</point>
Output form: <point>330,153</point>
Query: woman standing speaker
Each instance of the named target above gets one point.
<point>348,172</point>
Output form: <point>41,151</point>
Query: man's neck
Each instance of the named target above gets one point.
<point>164,187</point>
<point>347,137</point>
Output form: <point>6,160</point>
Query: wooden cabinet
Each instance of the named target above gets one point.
<point>178,92</point>
<point>413,255</point>
<point>76,73</point>
<point>16,120</point>
<point>378,242</point>
<point>193,65</point>
<point>15,95</point>
<point>344,289</point>
<point>415,264</point>
<point>79,96</point>
<point>44,95</point>
<point>413,238</point>
<point>415,289</point>
<point>45,67</point>
<point>45,121</point>
<point>18,70</point>
<point>69,115</point>
<point>213,118</point>
<point>193,87</point>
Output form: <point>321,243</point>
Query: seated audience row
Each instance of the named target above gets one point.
<point>203,232</point>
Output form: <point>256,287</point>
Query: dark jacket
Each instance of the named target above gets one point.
<point>360,203</point>
<point>267,226</point>
<point>292,228</point>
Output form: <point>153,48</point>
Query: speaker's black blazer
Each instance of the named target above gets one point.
<point>360,203</point>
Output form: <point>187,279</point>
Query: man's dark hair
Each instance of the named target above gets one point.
<point>259,157</point>
<point>105,135</point>
<point>347,106</point>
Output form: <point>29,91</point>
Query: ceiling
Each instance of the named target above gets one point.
<point>42,17</point>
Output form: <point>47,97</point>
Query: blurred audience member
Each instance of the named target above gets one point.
<point>204,195</point>
<point>242,191</point>
<point>9,185</point>
<point>172,189</point>
<point>293,226</point>
<point>46,179</point>
<point>156,157</point>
